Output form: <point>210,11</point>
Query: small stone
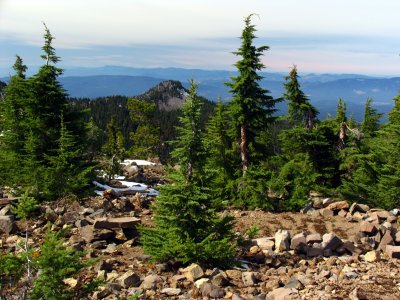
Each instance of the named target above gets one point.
<point>71,282</point>
<point>129,279</point>
<point>372,256</point>
<point>198,283</point>
<point>282,293</point>
<point>171,291</point>
<point>254,249</point>
<point>7,224</point>
<point>298,241</point>
<point>249,278</point>
<point>193,272</point>
<point>326,212</point>
<point>331,241</point>
<point>151,281</point>
<point>386,240</point>
<point>336,206</point>
<point>264,243</point>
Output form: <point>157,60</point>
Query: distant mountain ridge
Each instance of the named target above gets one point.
<point>324,90</point>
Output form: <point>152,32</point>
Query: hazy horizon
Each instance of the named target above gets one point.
<point>341,37</point>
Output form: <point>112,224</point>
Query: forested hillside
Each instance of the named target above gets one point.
<point>168,97</point>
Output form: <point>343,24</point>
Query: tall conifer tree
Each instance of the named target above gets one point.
<point>187,227</point>
<point>251,107</point>
<point>300,109</point>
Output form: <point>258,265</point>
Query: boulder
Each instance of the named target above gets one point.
<point>110,223</point>
<point>282,238</point>
<point>90,234</point>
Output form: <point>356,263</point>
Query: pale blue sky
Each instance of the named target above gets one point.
<point>341,36</point>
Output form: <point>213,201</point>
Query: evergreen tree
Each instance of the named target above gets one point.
<point>67,172</point>
<point>189,149</point>
<point>187,227</point>
<point>221,159</point>
<point>146,137</point>
<point>370,122</point>
<point>387,149</point>
<point>251,108</point>
<point>113,149</point>
<point>56,263</point>
<point>300,109</point>
<point>33,109</point>
<point>49,99</point>
<point>14,123</point>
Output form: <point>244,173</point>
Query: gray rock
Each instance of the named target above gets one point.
<point>249,278</point>
<point>282,238</point>
<point>265,243</point>
<point>171,291</point>
<point>6,211</point>
<point>368,228</point>
<point>331,241</point>
<point>313,238</point>
<point>90,234</point>
<point>282,294</point>
<point>313,251</point>
<point>326,212</point>
<point>294,283</point>
<point>129,279</point>
<point>386,240</point>
<point>193,272</point>
<point>150,282</point>
<point>110,223</point>
<point>7,224</point>
<point>298,241</point>
<point>238,297</point>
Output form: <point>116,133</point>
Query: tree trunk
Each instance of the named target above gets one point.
<point>243,149</point>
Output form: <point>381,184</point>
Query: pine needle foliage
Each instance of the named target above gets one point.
<point>187,227</point>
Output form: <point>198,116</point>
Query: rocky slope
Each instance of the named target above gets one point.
<point>332,250</point>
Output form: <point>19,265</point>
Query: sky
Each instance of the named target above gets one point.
<point>341,36</point>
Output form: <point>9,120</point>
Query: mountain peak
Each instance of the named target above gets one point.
<point>168,95</point>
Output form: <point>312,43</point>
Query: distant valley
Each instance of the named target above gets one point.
<point>324,90</point>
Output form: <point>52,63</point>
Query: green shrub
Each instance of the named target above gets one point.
<point>26,207</point>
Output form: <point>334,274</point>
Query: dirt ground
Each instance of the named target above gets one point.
<point>268,223</point>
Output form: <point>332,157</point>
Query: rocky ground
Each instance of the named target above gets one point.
<point>331,250</point>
